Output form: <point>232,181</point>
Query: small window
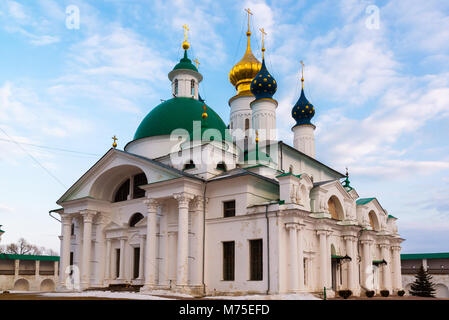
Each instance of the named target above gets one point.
<point>139,180</point>
<point>192,87</point>
<point>135,218</point>
<point>117,263</point>
<point>229,209</point>
<point>72,229</point>
<point>221,166</point>
<point>123,192</point>
<point>246,124</point>
<point>228,260</point>
<point>290,169</point>
<point>189,165</point>
<point>256,263</point>
<point>176,87</point>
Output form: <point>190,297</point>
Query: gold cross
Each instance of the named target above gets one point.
<point>196,63</point>
<point>115,139</point>
<point>185,31</point>
<point>302,73</point>
<point>249,13</point>
<point>263,42</point>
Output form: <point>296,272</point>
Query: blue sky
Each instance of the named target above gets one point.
<point>381,94</point>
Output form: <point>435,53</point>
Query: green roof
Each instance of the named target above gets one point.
<point>363,201</point>
<point>179,113</point>
<point>417,256</point>
<point>185,63</point>
<point>27,257</point>
<point>391,217</point>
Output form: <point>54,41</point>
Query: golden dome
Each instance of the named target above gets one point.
<point>245,70</point>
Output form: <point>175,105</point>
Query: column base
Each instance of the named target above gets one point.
<point>195,290</point>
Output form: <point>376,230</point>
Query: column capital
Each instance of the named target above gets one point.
<point>66,219</point>
<point>350,238</point>
<point>323,232</point>
<point>384,245</point>
<point>151,204</point>
<point>291,225</point>
<point>183,199</point>
<point>366,242</point>
<point>396,248</point>
<point>88,215</point>
<point>102,218</point>
<point>197,203</point>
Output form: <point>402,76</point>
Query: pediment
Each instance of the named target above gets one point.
<point>111,170</point>
<point>327,186</point>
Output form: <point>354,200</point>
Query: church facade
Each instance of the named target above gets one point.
<point>193,205</point>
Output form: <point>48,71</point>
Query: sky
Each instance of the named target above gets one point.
<point>377,73</point>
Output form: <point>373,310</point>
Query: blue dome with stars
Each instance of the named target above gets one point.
<point>263,85</point>
<point>303,111</point>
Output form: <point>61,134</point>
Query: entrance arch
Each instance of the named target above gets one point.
<point>22,285</point>
<point>441,291</point>
<point>47,285</point>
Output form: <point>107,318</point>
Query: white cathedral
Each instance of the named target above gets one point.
<point>195,206</point>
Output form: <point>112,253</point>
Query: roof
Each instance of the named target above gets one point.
<point>238,172</point>
<point>417,256</point>
<point>179,113</point>
<point>1,229</point>
<point>391,217</point>
<point>112,150</point>
<point>185,63</point>
<point>4,256</point>
<point>363,201</point>
<point>339,174</point>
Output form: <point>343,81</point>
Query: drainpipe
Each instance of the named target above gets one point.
<point>204,236</point>
<point>50,214</point>
<point>268,247</point>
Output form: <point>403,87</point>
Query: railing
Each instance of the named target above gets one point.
<point>7,272</point>
<point>27,272</point>
<point>46,272</point>
<point>431,271</point>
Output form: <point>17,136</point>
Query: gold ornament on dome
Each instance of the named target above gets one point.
<point>246,69</point>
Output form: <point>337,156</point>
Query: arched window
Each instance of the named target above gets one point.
<point>72,229</point>
<point>122,192</point>
<point>192,87</point>
<point>135,218</point>
<point>176,87</point>
<point>335,208</point>
<point>373,221</point>
<point>139,180</point>
<point>189,165</point>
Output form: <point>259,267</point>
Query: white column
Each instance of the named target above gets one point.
<point>65,254</point>
<point>183,239</point>
<point>386,281</point>
<point>121,274</point>
<point>351,264</point>
<point>367,270</point>
<point>87,244</point>
<point>141,256</point>
<point>100,239</point>
<point>293,255</point>
<point>37,271</point>
<point>150,248</point>
<point>322,234</point>
<point>197,230</point>
<point>300,258</point>
<point>397,268</point>
<point>108,260</point>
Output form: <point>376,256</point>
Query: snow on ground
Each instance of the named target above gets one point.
<point>296,296</point>
<point>105,294</point>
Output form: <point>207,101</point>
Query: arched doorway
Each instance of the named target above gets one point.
<point>22,285</point>
<point>373,221</point>
<point>47,285</point>
<point>441,291</point>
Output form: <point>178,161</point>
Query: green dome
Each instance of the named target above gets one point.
<point>185,63</point>
<point>179,113</point>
